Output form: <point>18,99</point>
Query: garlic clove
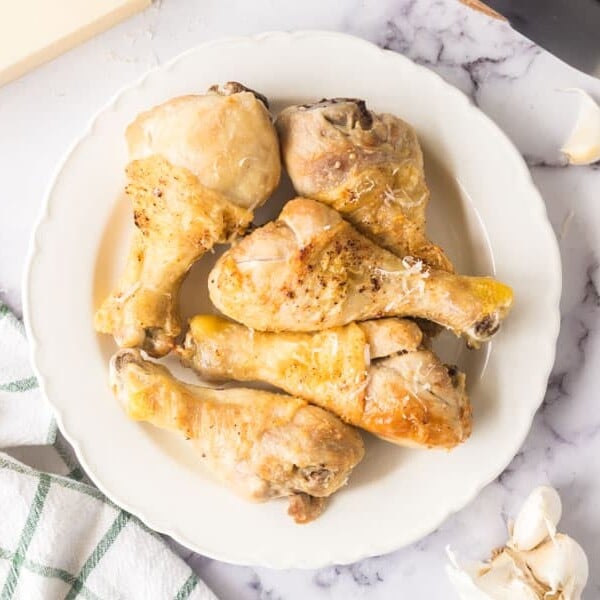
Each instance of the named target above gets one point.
<point>537,519</point>
<point>508,578</point>
<point>583,145</point>
<point>537,563</point>
<point>560,564</point>
<point>504,578</point>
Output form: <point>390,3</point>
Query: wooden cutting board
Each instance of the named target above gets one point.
<point>34,31</point>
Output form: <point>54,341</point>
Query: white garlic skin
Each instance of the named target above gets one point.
<point>463,576</point>
<point>464,584</point>
<point>502,579</point>
<point>506,579</point>
<point>561,564</point>
<point>537,519</point>
<point>583,145</point>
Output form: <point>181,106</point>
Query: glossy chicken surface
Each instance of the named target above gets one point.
<point>367,166</point>
<point>262,445</point>
<point>414,400</point>
<point>311,270</point>
<point>200,165</point>
<point>410,399</point>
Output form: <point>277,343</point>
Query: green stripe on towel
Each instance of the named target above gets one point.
<point>20,385</point>
<point>50,572</point>
<point>187,588</point>
<point>28,530</point>
<point>99,551</point>
<point>52,431</point>
<point>59,480</point>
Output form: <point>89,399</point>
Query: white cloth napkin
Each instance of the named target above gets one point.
<point>61,538</point>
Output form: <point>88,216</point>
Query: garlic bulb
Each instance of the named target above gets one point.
<point>583,145</point>
<point>560,564</point>
<point>537,519</point>
<point>536,564</point>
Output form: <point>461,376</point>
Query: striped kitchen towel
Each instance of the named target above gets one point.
<point>61,538</point>
<point>25,417</point>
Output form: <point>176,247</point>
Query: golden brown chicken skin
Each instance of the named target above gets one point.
<point>262,445</point>
<point>199,166</point>
<point>367,166</point>
<point>411,399</point>
<point>311,270</point>
<point>177,220</point>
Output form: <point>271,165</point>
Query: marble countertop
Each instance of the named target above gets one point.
<point>516,84</point>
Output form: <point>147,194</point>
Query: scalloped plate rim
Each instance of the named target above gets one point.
<point>44,218</point>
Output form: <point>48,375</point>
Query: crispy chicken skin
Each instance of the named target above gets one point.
<point>200,165</point>
<point>410,399</point>
<point>261,444</point>
<point>367,166</point>
<point>311,270</point>
<point>177,220</point>
<point>414,400</point>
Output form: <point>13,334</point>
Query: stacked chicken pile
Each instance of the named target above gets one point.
<point>330,299</point>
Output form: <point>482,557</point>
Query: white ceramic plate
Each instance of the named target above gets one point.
<point>485,211</point>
